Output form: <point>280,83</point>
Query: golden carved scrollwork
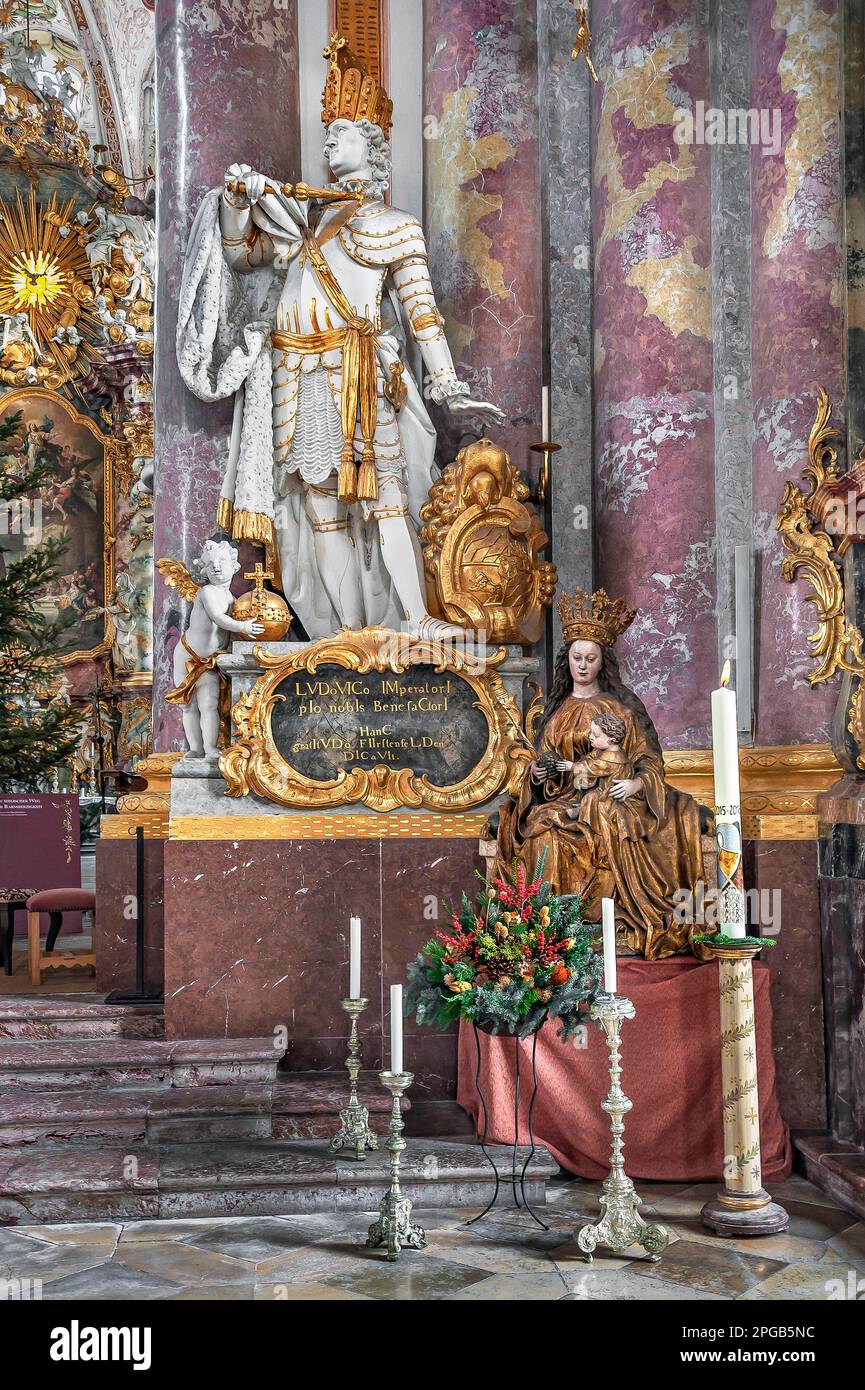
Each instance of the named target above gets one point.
<point>482,548</point>
<point>836,644</point>
<point>253,762</point>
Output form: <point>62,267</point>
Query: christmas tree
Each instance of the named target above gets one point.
<point>34,738</point>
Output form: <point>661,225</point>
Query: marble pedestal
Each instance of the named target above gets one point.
<point>256,943</point>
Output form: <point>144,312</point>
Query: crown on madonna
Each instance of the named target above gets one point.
<point>350,92</point>
<point>594,617</point>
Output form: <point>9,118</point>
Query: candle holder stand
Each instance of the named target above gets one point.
<point>743,1208</point>
<point>546,449</point>
<point>621,1224</point>
<point>394,1226</point>
<point>354,1131</point>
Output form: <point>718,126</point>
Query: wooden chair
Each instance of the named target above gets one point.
<point>55,901</point>
<point>12,899</point>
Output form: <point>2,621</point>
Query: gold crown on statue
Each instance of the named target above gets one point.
<point>351,93</point>
<point>594,617</point>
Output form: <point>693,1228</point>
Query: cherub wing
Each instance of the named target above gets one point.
<point>177,576</point>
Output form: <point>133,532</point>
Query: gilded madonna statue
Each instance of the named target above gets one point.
<point>595,797</point>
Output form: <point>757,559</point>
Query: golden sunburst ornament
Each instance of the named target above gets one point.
<point>37,280</point>
<point>45,274</point>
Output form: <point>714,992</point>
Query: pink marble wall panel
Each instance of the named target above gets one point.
<point>227,91</point>
<point>114,933</point>
<point>797,298</point>
<point>654,468</point>
<point>482,205</point>
<point>256,939</point>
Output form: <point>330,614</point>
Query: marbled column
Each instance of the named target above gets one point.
<point>730,173</point>
<point>227,91</point>
<point>565,116</point>
<point>482,206</point>
<point>653,355</point>
<point>797,306</point>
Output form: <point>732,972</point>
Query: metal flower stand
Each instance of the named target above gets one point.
<point>516,1180</point>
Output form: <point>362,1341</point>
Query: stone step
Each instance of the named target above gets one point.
<point>306,1105</point>
<point>51,1065</point>
<point>253,1178</point>
<point>70,1018</point>
<point>73,1116</point>
<point>298,1106</point>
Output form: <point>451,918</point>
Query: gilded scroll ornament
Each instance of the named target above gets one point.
<point>804,521</point>
<point>482,548</point>
<point>254,763</point>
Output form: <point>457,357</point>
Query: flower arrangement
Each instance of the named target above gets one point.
<point>521,955</point>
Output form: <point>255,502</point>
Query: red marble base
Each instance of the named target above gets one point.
<point>256,942</point>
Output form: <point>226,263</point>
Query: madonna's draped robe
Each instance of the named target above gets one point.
<point>638,851</point>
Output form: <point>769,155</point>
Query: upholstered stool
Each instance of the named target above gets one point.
<point>55,901</point>
<point>12,899</point>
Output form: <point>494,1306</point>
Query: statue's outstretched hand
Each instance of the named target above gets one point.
<point>465,405</point>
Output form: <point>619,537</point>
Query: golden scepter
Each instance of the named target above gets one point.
<point>301,191</point>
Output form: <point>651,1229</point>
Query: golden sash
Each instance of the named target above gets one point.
<point>358,343</point>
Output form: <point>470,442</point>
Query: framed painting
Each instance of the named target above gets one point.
<point>76,501</point>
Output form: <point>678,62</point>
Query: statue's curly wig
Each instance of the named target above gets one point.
<point>380,163</point>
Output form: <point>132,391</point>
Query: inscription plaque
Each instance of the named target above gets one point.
<point>335,719</point>
<point>376,718</point>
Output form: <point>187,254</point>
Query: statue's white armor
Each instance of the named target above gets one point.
<point>377,253</point>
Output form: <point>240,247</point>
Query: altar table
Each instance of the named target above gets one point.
<point>671,1060</point>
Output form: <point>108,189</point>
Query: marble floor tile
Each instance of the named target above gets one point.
<point>515,1288</point>
<point>269,1293</point>
<point>701,1267</point>
<point>183,1264</point>
<point>78,1233</point>
<point>412,1276</point>
<point>172,1230</point>
<point>850,1244</point>
<point>799,1189</point>
<point>214,1293</point>
<point>784,1247</point>
<point>687,1202</point>
<point>48,1261</point>
<point>816,1222</point>
<point>108,1281</point>
<point>312,1262</point>
<point>500,1252</point>
<point>257,1238</point>
<point>816,1282</point>
<point>623,1285</point>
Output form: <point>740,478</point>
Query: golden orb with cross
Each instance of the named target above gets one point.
<point>260,605</point>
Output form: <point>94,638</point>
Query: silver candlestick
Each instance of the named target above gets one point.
<point>354,1131</point>
<point>394,1224</point>
<point>621,1224</point>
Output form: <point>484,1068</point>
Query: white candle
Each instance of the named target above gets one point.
<point>608,923</point>
<point>545,415</point>
<point>396,1027</point>
<point>354,958</point>
<point>725,760</point>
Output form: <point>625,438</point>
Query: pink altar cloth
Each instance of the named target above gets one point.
<point>671,1070</point>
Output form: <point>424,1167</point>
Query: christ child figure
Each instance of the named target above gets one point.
<point>605,763</point>
<point>595,776</point>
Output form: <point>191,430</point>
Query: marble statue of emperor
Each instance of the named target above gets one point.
<point>305,310</point>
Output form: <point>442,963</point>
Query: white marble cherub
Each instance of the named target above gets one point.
<point>195,670</point>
